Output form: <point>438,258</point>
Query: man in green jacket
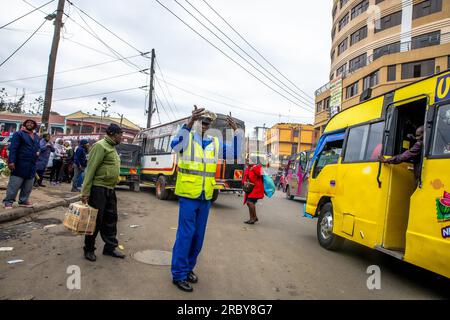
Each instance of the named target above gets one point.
<point>101,176</point>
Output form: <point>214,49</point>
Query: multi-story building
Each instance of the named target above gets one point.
<point>380,45</point>
<point>286,139</point>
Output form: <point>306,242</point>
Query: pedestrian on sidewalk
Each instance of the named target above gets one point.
<point>45,149</point>
<point>197,160</point>
<point>101,177</point>
<point>79,164</point>
<point>55,174</point>
<point>23,154</point>
<point>68,162</point>
<point>254,174</point>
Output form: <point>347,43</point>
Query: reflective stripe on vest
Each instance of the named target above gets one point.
<point>197,169</point>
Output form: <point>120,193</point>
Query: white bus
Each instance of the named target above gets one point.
<point>159,162</point>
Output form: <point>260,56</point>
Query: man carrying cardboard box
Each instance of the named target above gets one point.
<point>101,177</point>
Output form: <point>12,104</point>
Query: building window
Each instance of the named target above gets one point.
<point>358,62</point>
<point>392,73</point>
<point>360,8</point>
<point>296,132</point>
<point>388,21</point>
<point>332,55</point>
<point>418,69</point>
<point>342,46</point>
<point>352,90</point>
<point>326,103</point>
<point>385,50</point>
<point>344,21</point>
<point>343,3</point>
<point>342,70</point>
<point>426,40</point>
<point>333,33</point>
<point>294,148</point>
<point>371,80</point>
<point>426,8</point>
<point>319,107</point>
<point>358,35</point>
<point>334,11</point>
<point>378,1</point>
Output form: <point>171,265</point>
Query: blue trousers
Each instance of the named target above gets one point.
<point>193,216</point>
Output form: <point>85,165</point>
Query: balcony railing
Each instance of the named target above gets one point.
<point>404,47</point>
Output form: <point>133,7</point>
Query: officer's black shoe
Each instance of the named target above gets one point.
<point>192,278</point>
<point>183,285</point>
<point>90,255</point>
<point>114,253</point>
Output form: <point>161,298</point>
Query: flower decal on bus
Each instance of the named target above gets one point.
<point>443,207</point>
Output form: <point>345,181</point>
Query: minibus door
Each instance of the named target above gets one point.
<point>397,182</point>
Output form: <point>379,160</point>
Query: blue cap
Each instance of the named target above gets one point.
<point>83,142</point>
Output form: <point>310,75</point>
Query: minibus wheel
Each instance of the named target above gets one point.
<point>327,239</point>
<point>161,192</point>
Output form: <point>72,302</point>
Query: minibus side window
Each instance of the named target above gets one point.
<point>441,141</point>
<point>364,143</point>
<point>329,155</point>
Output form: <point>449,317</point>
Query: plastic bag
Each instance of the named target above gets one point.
<point>269,185</point>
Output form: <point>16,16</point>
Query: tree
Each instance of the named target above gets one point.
<point>16,107</point>
<point>3,96</point>
<point>37,106</point>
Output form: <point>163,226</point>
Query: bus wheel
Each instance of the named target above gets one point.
<point>327,239</point>
<point>288,193</point>
<point>161,192</point>
<point>215,195</point>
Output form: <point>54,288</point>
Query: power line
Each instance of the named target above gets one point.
<point>232,105</point>
<point>162,105</point>
<point>243,58</point>
<point>168,91</point>
<point>101,93</point>
<point>301,98</point>
<point>217,48</point>
<point>26,14</point>
<point>12,54</point>
<point>93,34</point>
<point>97,22</point>
<point>165,98</point>
<point>71,70</point>
<point>251,46</point>
<point>90,82</point>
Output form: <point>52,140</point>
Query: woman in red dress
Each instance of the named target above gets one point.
<point>254,174</point>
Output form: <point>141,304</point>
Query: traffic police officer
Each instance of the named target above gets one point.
<point>198,154</point>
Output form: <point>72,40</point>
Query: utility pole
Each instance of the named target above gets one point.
<point>52,64</point>
<point>150,96</point>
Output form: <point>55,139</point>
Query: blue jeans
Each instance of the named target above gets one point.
<point>77,178</point>
<point>193,216</point>
<point>15,183</point>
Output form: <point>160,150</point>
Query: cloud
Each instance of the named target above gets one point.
<point>293,35</point>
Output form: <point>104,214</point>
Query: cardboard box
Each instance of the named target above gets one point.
<point>81,218</point>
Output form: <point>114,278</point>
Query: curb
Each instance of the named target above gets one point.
<point>18,213</point>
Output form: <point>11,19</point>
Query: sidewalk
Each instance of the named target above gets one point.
<point>43,198</point>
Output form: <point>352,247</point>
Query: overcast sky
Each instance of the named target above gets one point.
<point>293,35</point>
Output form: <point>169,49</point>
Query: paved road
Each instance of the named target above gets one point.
<point>278,258</point>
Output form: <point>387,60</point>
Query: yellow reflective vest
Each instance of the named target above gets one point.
<point>197,169</point>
